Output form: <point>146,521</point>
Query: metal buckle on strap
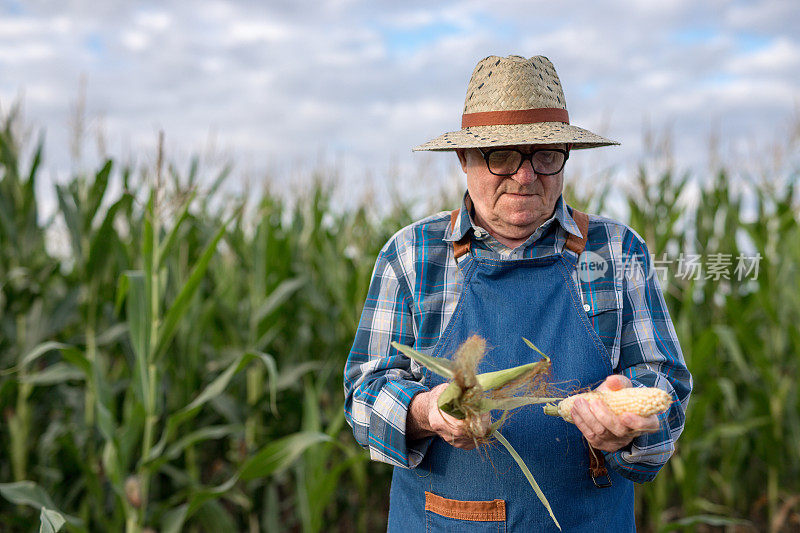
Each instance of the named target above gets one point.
<point>602,484</point>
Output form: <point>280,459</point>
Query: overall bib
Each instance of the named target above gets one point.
<point>484,489</point>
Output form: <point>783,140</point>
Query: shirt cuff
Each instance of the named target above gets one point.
<point>387,426</point>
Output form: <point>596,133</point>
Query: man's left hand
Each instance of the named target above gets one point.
<point>603,429</point>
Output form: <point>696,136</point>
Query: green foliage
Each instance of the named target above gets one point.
<point>176,364</point>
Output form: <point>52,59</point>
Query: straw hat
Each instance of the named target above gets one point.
<point>513,100</point>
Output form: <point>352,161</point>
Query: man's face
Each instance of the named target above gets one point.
<point>511,207</point>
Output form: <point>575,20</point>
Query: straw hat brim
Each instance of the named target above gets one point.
<point>506,135</point>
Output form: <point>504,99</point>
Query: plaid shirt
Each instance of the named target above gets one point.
<point>416,277</point>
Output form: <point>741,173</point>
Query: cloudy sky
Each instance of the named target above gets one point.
<point>282,85</point>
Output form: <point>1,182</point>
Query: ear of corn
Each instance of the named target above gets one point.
<point>470,395</point>
<point>470,389</point>
<point>642,401</point>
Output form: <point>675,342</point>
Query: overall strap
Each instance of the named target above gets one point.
<point>574,243</point>
<point>597,463</point>
<point>461,246</point>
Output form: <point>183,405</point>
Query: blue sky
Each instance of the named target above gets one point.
<point>282,87</point>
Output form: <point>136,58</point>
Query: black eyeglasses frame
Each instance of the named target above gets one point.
<point>524,157</point>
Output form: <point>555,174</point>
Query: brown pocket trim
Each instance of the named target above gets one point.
<point>492,511</point>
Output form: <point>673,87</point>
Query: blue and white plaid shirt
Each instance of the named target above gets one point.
<point>416,276</point>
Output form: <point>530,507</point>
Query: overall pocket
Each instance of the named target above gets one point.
<point>444,514</point>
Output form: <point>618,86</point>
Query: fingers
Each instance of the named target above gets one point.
<point>455,431</point>
<point>615,382</point>
<point>606,431</point>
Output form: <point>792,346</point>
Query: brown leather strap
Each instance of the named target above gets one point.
<point>597,468</point>
<point>519,116</point>
<point>461,246</point>
<point>597,463</point>
<point>574,243</point>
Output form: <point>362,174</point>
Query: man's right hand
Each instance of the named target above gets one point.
<point>425,419</point>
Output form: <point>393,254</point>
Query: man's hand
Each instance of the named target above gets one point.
<point>426,419</point>
<point>603,429</point>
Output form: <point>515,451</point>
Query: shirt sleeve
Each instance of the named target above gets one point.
<point>650,356</point>
<point>379,381</point>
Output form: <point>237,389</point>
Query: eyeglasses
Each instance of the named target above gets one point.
<point>507,161</point>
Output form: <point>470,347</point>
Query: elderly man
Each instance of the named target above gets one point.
<point>515,261</point>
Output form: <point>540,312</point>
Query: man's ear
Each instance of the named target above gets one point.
<point>462,158</point>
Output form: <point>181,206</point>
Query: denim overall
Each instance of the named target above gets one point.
<point>484,489</point>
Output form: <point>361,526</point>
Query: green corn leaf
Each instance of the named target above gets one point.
<point>213,516</point>
<point>32,172</point>
<point>96,193</point>
<point>53,374</point>
<point>691,522</point>
<point>200,497</point>
<point>279,455</point>
<point>130,432</point>
<point>173,520</point>
<point>50,521</point>
<point>105,420</point>
<point>112,334</point>
<point>30,494</point>
<point>440,365</point>
<point>290,376</point>
<point>139,329</point>
<point>527,473</point>
<point>278,297</point>
<point>212,391</point>
<point>216,387</point>
<point>111,465</point>
<point>207,433</point>
<point>148,237</point>
<point>728,339</point>
<point>40,350</point>
<point>77,359</point>
<point>202,434</point>
<point>181,304</point>
<point>71,219</point>
<point>273,458</point>
<point>26,493</point>
<point>122,292</point>
<point>100,246</point>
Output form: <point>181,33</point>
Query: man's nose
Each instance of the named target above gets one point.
<point>525,175</point>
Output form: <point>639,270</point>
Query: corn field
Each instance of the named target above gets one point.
<point>171,357</point>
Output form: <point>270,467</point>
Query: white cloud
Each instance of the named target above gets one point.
<point>779,57</point>
<point>154,20</point>
<point>135,40</point>
<point>24,53</point>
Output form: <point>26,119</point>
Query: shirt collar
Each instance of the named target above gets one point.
<point>464,222</point>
